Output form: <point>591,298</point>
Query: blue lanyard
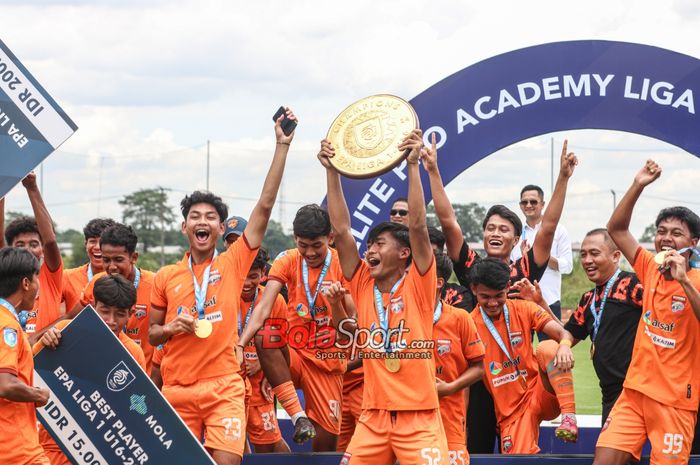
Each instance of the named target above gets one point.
<point>381,310</point>
<point>247,316</point>
<point>21,317</point>
<point>137,278</point>
<point>597,316</point>
<point>311,299</point>
<point>200,292</point>
<point>494,332</point>
<point>437,313</point>
<point>90,274</point>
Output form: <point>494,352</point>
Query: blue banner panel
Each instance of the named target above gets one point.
<point>560,86</point>
<point>103,409</point>
<point>32,125</point>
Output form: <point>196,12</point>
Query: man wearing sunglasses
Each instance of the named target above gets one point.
<point>399,211</point>
<point>560,256</point>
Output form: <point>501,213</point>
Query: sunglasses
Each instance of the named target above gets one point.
<point>400,212</point>
<point>529,202</point>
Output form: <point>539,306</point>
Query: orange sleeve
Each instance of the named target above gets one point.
<point>642,259</point>
<point>424,286</point>
<point>86,296</point>
<point>279,308</point>
<point>10,346</point>
<point>472,345</point>
<point>159,299</point>
<point>538,315</point>
<point>54,283</point>
<point>240,256</point>
<point>359,280</point>
<point>282,267</point>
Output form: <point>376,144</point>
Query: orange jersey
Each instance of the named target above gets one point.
<point>457,346</point>
<point>47,306</point>
<point>74,281</point>
<point>189,358</point>
<point>412,387</point>
<point>287,269</point>
<point>20,441</point>
<point>249,353</point>
<point>137,326</point>
<point>665,361</point>
<point>500,374</point>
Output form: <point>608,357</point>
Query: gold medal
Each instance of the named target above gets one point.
<point>366,134</point>
<point>660,257</point>
<point>392,364</point>
<point>203,328</point>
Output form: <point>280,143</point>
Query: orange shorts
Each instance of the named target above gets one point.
<point>322,391</point>
<point>636,416</point>
<point>351,411</point>
<point>520,436</point>
<point>414,437</point>
<point>51,449</point>
<point>213,409</point>
<point>262,424</point>
<point>457,453</point>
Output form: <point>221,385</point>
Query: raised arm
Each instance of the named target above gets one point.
<point>545,237</point>
<point>339,214</point>
<point>619,223</point>
<point>261,312</point>
<point>443,208</point>
<point>52,255</point>
<point>421,250</point>
<point>257,223</point>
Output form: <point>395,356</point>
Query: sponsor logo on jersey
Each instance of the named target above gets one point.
<point>495,368</point>
<point>397,304</point>
<point>509,378</point>
<point>516,339</point>
<point>9,335</point>
<point>654,323</point>
<point>665,342</point>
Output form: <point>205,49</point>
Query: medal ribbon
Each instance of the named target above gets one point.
<point>597,316</point>
<point>90,274</point>
<point>21,317</point>
<point>383,314</point>
<point>494,332</point>
<point>200,292</point>
<point>311,299</point>
<point>137,278</point>
<point>247,315</point>
<point>696,252</point>
<point>437,313</point>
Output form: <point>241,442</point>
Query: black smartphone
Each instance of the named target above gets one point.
<point>288,125</point>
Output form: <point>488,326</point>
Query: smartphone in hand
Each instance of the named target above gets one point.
<point>288,125</point>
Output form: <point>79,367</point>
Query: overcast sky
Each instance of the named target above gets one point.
<point>149,82</point>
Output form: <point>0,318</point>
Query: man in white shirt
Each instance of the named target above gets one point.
<point>561,258</point>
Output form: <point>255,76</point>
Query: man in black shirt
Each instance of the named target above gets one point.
<point>451,293</point>
<point>608,314</point>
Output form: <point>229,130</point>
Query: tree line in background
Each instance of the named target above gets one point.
<point>158,226</point>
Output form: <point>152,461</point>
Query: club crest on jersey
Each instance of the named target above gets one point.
<point>516,339</point>
<point>396,304</point>
<point>677,303</point>
<point>443,346</point>
<point>140,311</point>
<point>214,277</point>
<point>9,335</point>
<point>507,442</point>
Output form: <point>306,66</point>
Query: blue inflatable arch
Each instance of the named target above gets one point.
<point>537,90</point>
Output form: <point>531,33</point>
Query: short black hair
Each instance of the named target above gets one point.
<point>491,272</point>
<point>114,290</point>
<point>436,237</point>
<point>95,227</point>
<point>443,266</point>
<point>311,221</point>
<point>120,235</point>
<point>400,199</point>
<point>504,212</point>
<point>204,197</point>
<point>532,187</point>
<point>683,214</point>
<point>21,225</point>
<point>15,265</point>
<point>606,237</point>
<point>261,260</point>
<point>397,230</point>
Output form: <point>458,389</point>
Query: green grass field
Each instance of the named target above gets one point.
<point>588,398</point>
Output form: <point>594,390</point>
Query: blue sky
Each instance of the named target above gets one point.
<point>149,82</point>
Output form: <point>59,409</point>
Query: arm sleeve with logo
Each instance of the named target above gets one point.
<point>577,322</point>
<point>473,347</point>
<point>9,354</point>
